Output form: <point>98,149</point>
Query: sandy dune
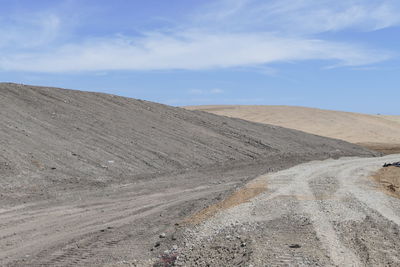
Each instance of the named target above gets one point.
<point>374,131</point>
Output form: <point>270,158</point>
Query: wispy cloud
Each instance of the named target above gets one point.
<point>22,33</point>
<point>247,33</point>
<point>302,16</point>
<point>214,91</point>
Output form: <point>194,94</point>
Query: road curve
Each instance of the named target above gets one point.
<point>321,213</point>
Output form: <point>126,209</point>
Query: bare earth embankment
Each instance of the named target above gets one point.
<point>89,179</point>
<point>378,132</point>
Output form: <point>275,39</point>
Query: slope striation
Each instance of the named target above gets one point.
<point>49,136</point>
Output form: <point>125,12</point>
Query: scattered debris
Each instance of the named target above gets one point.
<point>394,164</point>
<point>167,260</point>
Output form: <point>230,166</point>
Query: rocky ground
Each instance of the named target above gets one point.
<point>322,213</point>
<point>90,179</point>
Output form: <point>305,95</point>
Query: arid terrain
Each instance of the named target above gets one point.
<point>90,179</point>
<point>321,213</point>
<point>389,179</point>
<point>378,132</point>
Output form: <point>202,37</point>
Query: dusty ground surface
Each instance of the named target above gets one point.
<point>118,223</point>
<point>385,148</point>
<point>389,178</point>
<point>378,132</point>
<point>322,213</point>
<point>90,179</point>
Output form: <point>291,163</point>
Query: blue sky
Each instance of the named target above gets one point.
<point>341,55</point>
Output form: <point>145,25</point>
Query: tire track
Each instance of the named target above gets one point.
<point>80,234</point>
<point>327,208</point>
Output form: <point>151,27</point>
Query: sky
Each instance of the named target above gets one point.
<point>340,55</point>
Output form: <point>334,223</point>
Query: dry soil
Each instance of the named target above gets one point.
<point>389,179</point>
<point>90,179</point>
<point>322,213</point>
<point>378,132</point>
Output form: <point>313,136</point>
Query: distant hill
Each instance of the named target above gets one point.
<point>53,137</point>
<point>374,131</point>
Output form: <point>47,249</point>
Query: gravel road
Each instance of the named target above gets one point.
<point>322,213</point>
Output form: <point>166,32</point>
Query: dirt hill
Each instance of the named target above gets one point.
<point>373,131</point>
<point>50,136</point>
<point>90,179</point>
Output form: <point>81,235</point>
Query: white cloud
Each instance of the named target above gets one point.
<point>207,100</point>
<point>196,91</point>
<point>301,16</point>
<point>213,91</point>
<point>189,51</point>
<point>29,32</point>
<point>229,33</point>
<point>216,91</point>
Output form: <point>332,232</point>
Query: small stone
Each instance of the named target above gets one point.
<point>175,247</point>
<point>243,244</point>
<point>157,244</point>
<point>163,235</point>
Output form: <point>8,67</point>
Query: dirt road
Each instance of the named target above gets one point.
<point>322,213</point>
<point>117,223</point>
<point>84,233</point>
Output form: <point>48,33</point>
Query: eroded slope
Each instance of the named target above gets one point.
<point>55,137</point>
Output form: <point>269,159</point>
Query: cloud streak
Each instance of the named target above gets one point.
<point>198,46</point>
<point>188,51</point>
<point>302,16</point>
<point>29,33</point>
